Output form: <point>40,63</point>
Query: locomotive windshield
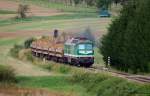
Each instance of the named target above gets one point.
<point>89,47</point>
<point>85,49</point>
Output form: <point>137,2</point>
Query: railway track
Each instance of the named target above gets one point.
<point>130,77</point>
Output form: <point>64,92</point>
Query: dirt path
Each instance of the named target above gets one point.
<point>21,67</point>
<point>26,69</point>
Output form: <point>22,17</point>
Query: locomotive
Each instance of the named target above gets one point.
<point>76,51</point>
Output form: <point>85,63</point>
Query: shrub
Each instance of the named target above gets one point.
<point>15,50</point>
<point>64,69</point>
<point>7,74</point>
<point>86,77</point>
<point>103,3</point>
<point>48,67</point>
<point>29,56</point>
<point>28,42</point>
<point>22,10</point>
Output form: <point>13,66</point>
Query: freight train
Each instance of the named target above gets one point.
<point>76,51</point>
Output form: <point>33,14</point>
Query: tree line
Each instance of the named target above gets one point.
<point>128,40</point>
<point>96,3</point>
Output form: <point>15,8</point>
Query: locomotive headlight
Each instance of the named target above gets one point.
<point>85,52</point>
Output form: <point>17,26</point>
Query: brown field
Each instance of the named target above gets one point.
<point>34,33</point>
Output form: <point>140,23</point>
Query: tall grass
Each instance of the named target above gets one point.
<point>15,50</point>
<point>7,74</point>
<point>54,83</point>
<point>56,67</point>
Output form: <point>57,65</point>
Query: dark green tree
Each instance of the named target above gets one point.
<point>28,42</point>
<point>76,2</point>
<point>128,38</point>
<point>90,2</point>
<point>103,3</point>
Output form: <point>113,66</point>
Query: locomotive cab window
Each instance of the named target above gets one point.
<point>82,46</point>
<point>85,47</point>
<point>89,47</point>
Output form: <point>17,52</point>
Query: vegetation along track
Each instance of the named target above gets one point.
<point>130,77</point>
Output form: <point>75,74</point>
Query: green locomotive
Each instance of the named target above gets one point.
<point>76,51</point>
<point>79,51</point>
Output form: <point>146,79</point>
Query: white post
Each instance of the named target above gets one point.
<point>108,61</point>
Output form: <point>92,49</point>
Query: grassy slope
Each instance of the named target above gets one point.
<point>53,83</point>
<point>87,85</point>
<point>105,85</point>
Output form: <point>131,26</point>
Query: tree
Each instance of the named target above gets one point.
<point>103,3</point>
<point>128,38</point>
<point>76,2</point>
<point>90,2</point>
<point>22,10</point>
<point>116,1</point>
<point>28,42</point>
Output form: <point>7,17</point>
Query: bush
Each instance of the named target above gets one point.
<point>103,3</point>
<point>22,10</point>
<point>87,78</point>
<point>64,69</point>
<point>15,50</point>
<point>7,74</point>
<point>28,42</point>
<point>29,56</point>
<point>48,67</point>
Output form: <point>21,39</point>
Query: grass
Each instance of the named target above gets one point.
<point>105,85</point>
<point>53,83</point>
<point>41,18</point>
<point>98,57</point>
<point>9,41</point>
<point>7,12</point>
<point>96,24</point>
<point>86,84</point>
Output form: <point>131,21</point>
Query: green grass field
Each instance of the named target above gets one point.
<point>53,83</point>
<point>7,12</point>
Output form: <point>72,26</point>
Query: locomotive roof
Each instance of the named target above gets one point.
<point>77,40</point>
